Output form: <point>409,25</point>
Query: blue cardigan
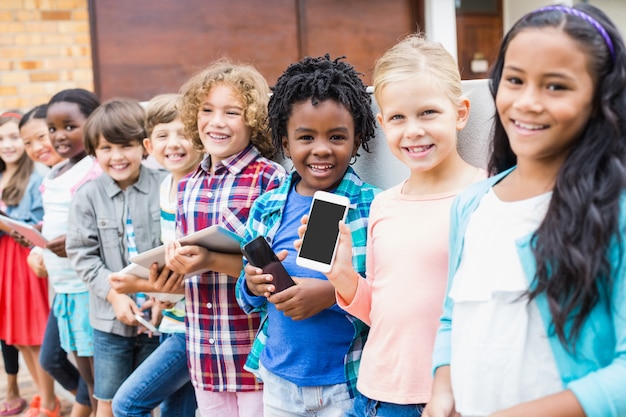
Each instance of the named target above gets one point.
<point>30,207</point>
<point>595,371</point>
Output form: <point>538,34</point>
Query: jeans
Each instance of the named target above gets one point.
<point>163,378</point>
<point>115,358</point>
<point>53,359</point>
<point>283,398</point>
<point>365,407</point>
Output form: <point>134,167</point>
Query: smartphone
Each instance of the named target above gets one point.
<point>319,242</point>
<point>145,323</point>
<point>260,254</point>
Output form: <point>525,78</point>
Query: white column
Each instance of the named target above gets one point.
<point>440,20</point>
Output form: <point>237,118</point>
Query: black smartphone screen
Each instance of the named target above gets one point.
<point>321,232</point>
<point>260,254</point>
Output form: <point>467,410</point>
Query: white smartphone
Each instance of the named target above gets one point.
<point>145,323</point>
<point>319,242</point>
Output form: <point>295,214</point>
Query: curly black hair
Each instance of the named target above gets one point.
<point>319,79</point>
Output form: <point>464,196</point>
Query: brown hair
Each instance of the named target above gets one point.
<point>248,85</point>
<point>119,121</point>
<point>162,108</point>
<point>17,184</point>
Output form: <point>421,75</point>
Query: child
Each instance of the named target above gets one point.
<point>66,116</point>
<point>114,217</point>
<point>163,378</point>
<point>224,110</point>
<point>418,89</point>
<point>68,330</point>
<point>24,304</point>
<point>534,322</point>
<point>320,114</point>
<point>34,132</point>
<point>37,145</point>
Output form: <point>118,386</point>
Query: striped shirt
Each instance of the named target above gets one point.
<point>265,220</point>
<point>219,333</point>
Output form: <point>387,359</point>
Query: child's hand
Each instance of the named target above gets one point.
<point>309,297</point>
<point>21,240</point>
<point>57,245</point>
<point>258,283</point>
<point>35,262</point>
<point>166,280</point>
<point>441,402</point>
<point>124,283</point>
<point>185,259</point>
<point>124,307</point>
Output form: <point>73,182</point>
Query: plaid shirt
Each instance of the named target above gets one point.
<point>219,332</point>
<point>265,218</point>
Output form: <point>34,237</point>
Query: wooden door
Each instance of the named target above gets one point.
<point>479,32</point>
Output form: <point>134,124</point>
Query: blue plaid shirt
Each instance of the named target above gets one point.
<point>265,219</point>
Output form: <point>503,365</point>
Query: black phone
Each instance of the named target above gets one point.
<point>260,254</point>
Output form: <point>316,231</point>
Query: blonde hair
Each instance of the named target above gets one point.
<point>162,108</point>
<point>413,59</point>
<point>248,85</point>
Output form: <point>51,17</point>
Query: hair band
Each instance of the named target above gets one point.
<point>575,12</point>
<point>11,114</point>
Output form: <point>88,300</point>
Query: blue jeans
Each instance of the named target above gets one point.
<point>53,359</point>
<point>282,398</point>
<point>115,358</point>
<point>365,407</point>
<point>163,378</point>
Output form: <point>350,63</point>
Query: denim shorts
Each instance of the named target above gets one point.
<point>283,398</point>
<point>115,357</point>
<point>365,407</point>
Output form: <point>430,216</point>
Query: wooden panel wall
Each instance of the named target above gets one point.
<point>146,47</point>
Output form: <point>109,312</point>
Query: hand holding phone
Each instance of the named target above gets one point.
<point>319,242</point>
<point>145,323</point>
<point>260,254</point>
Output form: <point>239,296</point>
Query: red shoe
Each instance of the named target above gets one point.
<point>52,413</point>
<point>33,408</point>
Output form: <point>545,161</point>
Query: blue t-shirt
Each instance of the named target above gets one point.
<point>293,350</point>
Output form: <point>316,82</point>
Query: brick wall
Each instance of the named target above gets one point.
<point>44,48</point>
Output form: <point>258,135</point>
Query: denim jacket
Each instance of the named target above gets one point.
<point>30,207</point>
<point>96,244</point>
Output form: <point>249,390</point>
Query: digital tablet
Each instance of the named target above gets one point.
<point>215,238</point>
<point>26,230</point>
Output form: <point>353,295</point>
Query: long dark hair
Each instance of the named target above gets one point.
<point>571,244</point>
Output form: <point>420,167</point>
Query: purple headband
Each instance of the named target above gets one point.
<point>587,18</point>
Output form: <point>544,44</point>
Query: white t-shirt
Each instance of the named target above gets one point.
<point>57,194</point>
<point>501,354</point>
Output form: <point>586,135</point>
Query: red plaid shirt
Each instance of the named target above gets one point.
<point>219,333</point>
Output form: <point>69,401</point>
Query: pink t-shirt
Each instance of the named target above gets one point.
<point>402,297</point>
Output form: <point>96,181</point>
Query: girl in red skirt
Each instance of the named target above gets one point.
<point>24,304</point>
